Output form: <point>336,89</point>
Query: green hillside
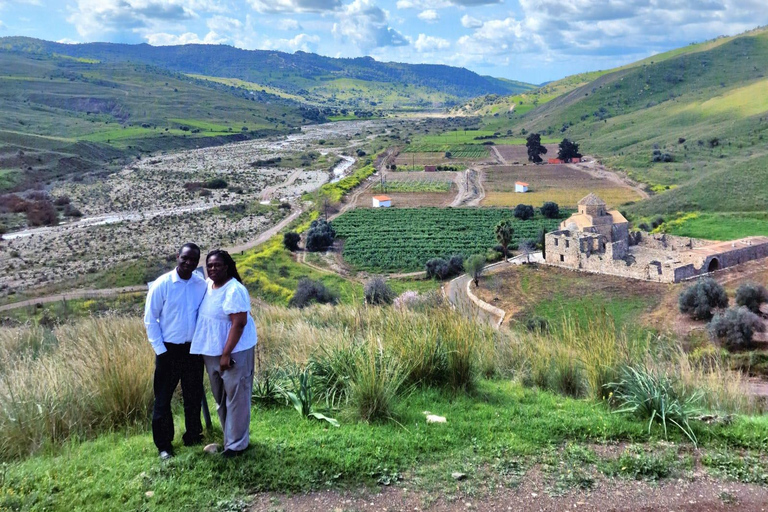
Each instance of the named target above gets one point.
<point>60,115</point>
<point>360,83</point>
<point>706,106</point>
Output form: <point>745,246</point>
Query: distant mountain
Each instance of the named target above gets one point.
<point>692,124</point>
<point>62,115</point>
<point>318,79</point>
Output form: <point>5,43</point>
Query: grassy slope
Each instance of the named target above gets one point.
<point>57,108</point>
<point>712,95</point>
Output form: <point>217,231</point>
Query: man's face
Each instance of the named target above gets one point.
<point>187,261</point>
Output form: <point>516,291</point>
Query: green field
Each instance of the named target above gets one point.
<point>456,150</point>
<point>718,226</point>
<point>403,239</point>
<point>419,186</point>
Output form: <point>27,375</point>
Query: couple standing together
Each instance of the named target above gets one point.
<point>193,324</point>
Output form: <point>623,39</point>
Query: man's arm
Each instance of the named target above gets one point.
<point>152,310</point>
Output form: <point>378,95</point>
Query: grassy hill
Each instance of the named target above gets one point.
<point>61,115</point>
<point>315,78</point>
<point>704,105</point>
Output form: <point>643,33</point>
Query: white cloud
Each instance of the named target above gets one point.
<point>439,4</point>
<point>303,42</point>
<point>66,40</point>
<point>296,6</point>
<point>430,16</point>
<point>92,17</point>
<point>426,43</point>
<point>365,25</point>
<point>163,39</point>
<point>224,24</point>
<point>2,25</point>
<point>288,24</point>
<point>468,21</point>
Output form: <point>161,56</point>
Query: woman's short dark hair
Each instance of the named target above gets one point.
<point>231,266</point>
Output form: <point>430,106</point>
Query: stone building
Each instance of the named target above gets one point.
<point>598,240</point>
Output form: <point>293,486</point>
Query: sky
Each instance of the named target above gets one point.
<point>529,40</point>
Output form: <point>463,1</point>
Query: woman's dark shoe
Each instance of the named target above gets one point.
<point>231,454</point>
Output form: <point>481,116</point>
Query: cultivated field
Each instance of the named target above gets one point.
<point>403,239</point>
<point>518,153</point>
<point>563,184</point>
<point>413,189</point>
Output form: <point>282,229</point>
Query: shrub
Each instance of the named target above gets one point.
<point>215,183</point>
<point>291,240</point>
<point>751,295</point>
<point>550,210</point>
<point>698,300</point>
<point>474,266</point>
<point>377,292</point>
<point>41,213</point>
<point>537,324</point>
<point>735,327</point>
<point>656,398</point>
<point>524,211</point>
<point>442,269</point>
<point>320,235</point>
<point>309,291</point>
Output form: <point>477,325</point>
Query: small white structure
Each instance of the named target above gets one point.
<point>382,201</point>
<point>521,186</point>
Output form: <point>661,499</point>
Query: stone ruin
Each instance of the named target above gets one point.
<point>598,240</point>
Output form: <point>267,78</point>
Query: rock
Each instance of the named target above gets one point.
<point>149,494</point>
<point>458,476</point>
<point>212,448</point>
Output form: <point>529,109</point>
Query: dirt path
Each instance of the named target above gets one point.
<point>500,158</point>
<point>471,191</point>
<point>597,170</point>
<point>699,493</point>
<point>266,194</point>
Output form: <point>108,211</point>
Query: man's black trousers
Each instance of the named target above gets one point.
<point>175,365</point>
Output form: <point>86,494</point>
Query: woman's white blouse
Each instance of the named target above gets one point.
<point>213,321</point>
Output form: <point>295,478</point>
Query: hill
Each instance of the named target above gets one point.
<point>359,82</point>
<point>61,115</point>
<point>702,107</point>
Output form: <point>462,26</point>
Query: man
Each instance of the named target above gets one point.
<point>169,316</point>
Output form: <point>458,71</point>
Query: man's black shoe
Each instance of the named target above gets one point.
<point>231,454</point>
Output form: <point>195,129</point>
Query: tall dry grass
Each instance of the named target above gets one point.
<point>95,376</point>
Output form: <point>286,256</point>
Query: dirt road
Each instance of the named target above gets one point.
<point>471,190</point>
<point>597,170</point>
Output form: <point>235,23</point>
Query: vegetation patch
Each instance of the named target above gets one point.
<point>404,239</point>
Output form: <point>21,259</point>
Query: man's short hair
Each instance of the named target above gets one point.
<point>192,246</point>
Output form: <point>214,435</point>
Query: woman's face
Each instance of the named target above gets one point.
<point>217,269</point>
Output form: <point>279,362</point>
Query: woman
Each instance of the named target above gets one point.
<point>225,335</point>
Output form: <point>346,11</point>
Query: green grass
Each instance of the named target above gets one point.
<point>419,186</point>
<point>502,426</point>
<point>719,226</point>
<point>624,310</point>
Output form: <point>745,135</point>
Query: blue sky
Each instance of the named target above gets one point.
<point>528,40</point>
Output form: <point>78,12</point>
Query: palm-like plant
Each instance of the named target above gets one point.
<point>504,232</point>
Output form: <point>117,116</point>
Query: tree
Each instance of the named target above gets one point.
<point>568,150</point>
<point>524,211</point>
<point>504,232</point>
<point>535,148</point>
<point>541,238</point>
<point>320,235</point>
<point>735,327</point>
<point>527,247</point>
<point>474,267</point>
<point>448,154</point>
<point>751,296</point>
<point>550,210</point>
<point>377,292</point>
<point>291,241</point>
<point>699,300</point>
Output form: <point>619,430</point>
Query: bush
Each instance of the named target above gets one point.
<point>442,269</point>
<point>377,292</point>
<point>309,291</point>
<point>42,213</point>
<point>474,266</point>
<point>735,327</point>
<point>698,300</point>
<point>550,210</point>
<point>751,295</point>
<point>320,236</point>
<point>291,241</point>
<point>524,211</point>
<point>215,183</point>
<point>656,398</point>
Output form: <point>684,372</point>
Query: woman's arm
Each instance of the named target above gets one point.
<point>239,320</point>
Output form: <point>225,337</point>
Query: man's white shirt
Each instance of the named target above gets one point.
<point>170,313</point>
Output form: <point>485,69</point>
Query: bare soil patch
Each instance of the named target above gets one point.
<point>564,184</point>
<point>406,199</point>
<point>516,154</point>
